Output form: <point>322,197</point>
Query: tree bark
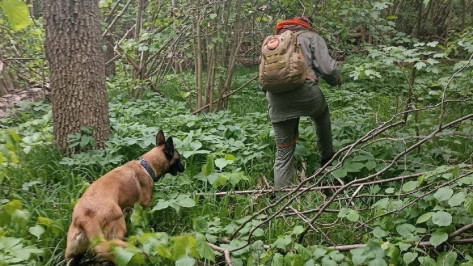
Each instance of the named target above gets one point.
<point>73,46</point>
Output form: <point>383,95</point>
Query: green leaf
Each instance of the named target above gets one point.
<point>420,65</point>
<point>438,238</point>
<point>424,217</point>
<point>123,256</point>
<point>409,186</point>
<point>200,224</point>
<point>36,230</point>
<point>162,204</point>
<point>339,173</point>
<point>298,230</point>
<point>443,194</point>
<point>17,13</point>
<point>405,230</point>
<point>203,248</point>
<point>457,199</point>
<point>208,168</point>
<point>352,216</point>
<point>185,201</point>
<point>379,233</point>
<point>222,163</point>
<point>409,257</point>
<point>442,218</point>
<point>469,205</point>
<point>185,261</point>
<point>448,258</point>
<point>354,167</point>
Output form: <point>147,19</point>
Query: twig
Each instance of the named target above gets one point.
<point>421,244</point>
<point>442,108</point>
<point>116,18</point>
<point>226,252</point>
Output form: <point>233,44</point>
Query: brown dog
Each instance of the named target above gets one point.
<point>98,215</point>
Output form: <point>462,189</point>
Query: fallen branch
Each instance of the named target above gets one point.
<point>464,241</point>
<point>226,252</point>
<point>303,189</point>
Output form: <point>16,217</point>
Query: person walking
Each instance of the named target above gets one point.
<point>286,108</point>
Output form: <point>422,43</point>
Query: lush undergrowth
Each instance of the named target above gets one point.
<point>234,150</point>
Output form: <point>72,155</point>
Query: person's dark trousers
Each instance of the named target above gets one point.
<point>286,134</point>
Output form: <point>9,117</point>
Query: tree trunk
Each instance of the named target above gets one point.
<point>73,46</point>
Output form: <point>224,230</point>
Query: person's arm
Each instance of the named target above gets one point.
<point>324,63</point>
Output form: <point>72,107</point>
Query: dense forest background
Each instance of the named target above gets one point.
<point>85,86</point>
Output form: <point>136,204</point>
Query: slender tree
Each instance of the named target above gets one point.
<point>73,47</point>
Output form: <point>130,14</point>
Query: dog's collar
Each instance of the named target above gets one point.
<point>148,169</point>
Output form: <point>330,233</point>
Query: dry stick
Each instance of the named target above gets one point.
<point>395,159</point>
<point>116,18</point>
<point>421,244</point>
<point>112,11</point>
<point>269,191</point>
<point>440,128</point>
<point>226,96</point>
<point>420,197</point>
<point>115,48</point>
<point>225,251</point>
<point>442,108</point>
<point>371,134</point>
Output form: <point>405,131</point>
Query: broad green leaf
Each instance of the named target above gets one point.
<point>352,216</point>
<point>17,13</point>
<point>442,218</point>
<point>12,206</point>
<point>469,205</point>
<point>185,261</point>
<point>185,201</point>
<point>443,194</point>
<point>377,262</point>
<point>195,145</point>
<point>354,167</point>
<point>409,186</point>
<point>162,204</point>
<point>424,217</point>
<point>405,230</point>
<point>457,199</point>
<point>438,238</point>
<point>222,163</point>
<point>298,230</point>
<point>340,173</point>
<point>409,257</point>
<point>36,230</point>
<point>420,65</point>
<point>292,259</point>
<point>203,248</point>
<point>45,221</point>
<point>427,261</point>
<point>319,252</point>
<point>123,256</point>
<point>200,224</point>
<point>448,258</point>
<point>379,233</point>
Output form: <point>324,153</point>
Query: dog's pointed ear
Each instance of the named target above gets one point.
<point>160,140</point>
<point>169,148</point>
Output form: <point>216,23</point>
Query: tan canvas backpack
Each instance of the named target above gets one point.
<point>283,66</point>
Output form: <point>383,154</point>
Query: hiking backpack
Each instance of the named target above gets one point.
<point>283,66</point>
